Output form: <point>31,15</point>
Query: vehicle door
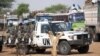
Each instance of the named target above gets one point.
<point>44,37</point>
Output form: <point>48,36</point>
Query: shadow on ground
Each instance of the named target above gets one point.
<point>49,53</point>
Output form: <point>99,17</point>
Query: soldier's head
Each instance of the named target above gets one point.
<point>20,24</point>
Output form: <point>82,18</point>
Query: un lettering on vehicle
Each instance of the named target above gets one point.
<point>46,41</point>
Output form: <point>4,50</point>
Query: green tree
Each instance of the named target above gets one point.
<point>22,8</point>
<point>5,4</point>
<point>56,8</point>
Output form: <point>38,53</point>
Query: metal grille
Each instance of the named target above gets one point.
<point>84,36</point>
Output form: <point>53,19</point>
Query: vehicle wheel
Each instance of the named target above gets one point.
<point>64,48</point>
<point>40,50</point>
<point>91,32</point>
<point>0,48</point>
<point>96,38</point>
<point>83,49</point>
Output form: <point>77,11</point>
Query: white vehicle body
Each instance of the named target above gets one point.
<point>43,40</point>
<point>14,22</point>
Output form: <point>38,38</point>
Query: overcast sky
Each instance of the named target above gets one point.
<point>41,4</point>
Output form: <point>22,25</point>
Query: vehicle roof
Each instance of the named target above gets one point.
<point>51,14</point>
<point>56,21</point>
<point>32,19</point>
<point>46,22</point>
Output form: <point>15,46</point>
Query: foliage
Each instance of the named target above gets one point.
<point>5,3</point>
<point>78,25</point>
<point>56,8</point>
<point>22,8</point>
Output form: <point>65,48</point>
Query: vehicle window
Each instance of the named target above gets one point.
<point>56,27</point>
<point>45,28</point>
<point>33,22</point>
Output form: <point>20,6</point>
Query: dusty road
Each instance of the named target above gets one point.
<point>94,51</point>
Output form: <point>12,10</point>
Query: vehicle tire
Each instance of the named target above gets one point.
<point>1,48</point>
<point>91,32</point>
<point>96,38</point>
<point>64,48</point>
<point>40,50</point>
<point>83,49</point>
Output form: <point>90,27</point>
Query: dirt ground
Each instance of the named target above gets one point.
<point>94,51</point>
